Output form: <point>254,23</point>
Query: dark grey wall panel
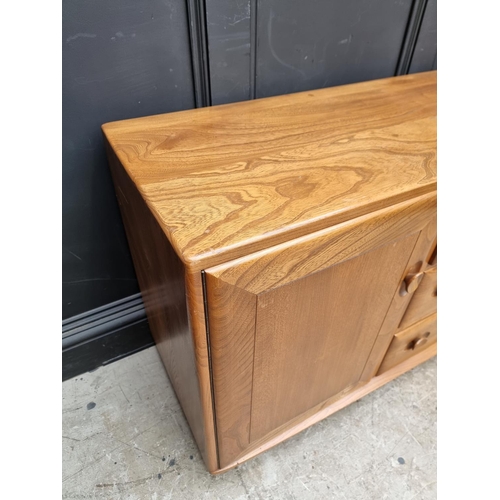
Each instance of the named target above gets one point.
<point>229,44</point>
<point>321,43</point>
<point>121,59</point>
<point>425,53</point>
<point>261,48</point>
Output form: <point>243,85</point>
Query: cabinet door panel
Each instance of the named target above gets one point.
<point>232,321</point>
<point>294,325</point>
<point>314,335</point>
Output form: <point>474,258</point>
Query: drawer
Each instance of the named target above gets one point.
<point>424,300</point>
<point>408,342</point>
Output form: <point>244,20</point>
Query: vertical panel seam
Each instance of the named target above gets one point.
<point>209,355</point>
<point>253,49</point>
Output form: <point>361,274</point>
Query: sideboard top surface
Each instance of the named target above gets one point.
<point>227,180</point>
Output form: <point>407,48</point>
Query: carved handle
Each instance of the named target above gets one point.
<point>419,341</point>
<point>410,283</point>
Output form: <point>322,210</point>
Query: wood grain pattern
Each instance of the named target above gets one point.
<point>302,215</point>
<point>417,263</point>
<point>161,277</point>
<point>232,333</point>
<point>424,300</point>
<point>329,407</point>
<point>292,266</point>
<point>234,179</point>
<point>281,264</point>
<point>401,347</point>
<point>197,323</point>
<point>314,335</point>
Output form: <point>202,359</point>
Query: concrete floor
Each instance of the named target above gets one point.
<point>125,437</point>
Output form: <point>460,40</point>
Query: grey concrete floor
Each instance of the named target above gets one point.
<point>125,437</point>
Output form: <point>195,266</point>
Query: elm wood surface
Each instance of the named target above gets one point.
<point>197,323</point>
<point>400,302</point>
<point>160,273</point>
<point>232,319</point>
<point>253,344</point>
<point>233,179</point>
<point>424,300</point>
<point>245,203</point>
<point>407,342</point>
<point>327,323</point>
<point>319,250</point>
<point>329,407</point>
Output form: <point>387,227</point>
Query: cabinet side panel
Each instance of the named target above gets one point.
<point>161,279</point>
<point>232,339</point>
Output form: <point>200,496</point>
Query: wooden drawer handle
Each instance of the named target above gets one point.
<point>410,283</point>
<point>418,342</point>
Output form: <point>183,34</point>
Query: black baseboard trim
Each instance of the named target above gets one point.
<point>103,335</point>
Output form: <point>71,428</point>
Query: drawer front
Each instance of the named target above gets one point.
<point>408,342</point>
<point>424,300</point>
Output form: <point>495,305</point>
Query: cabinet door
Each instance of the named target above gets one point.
<point>295,325</point>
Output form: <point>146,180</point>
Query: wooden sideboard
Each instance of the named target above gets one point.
<point>286,252</point>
